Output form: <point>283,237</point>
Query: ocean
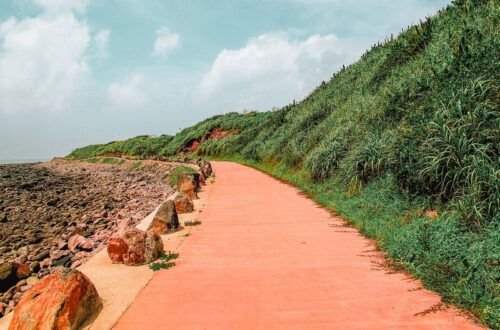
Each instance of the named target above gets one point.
<point>21,161</point>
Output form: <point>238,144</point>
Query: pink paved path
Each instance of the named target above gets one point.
<point>266,257</point>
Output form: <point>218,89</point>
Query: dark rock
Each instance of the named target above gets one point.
<point>165,219</point>
<point>8,276</point>
<point>183,204</point>
<point>40,256</point>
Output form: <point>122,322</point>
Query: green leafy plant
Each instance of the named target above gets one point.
<point>165,261</point>
<point>192,223</point>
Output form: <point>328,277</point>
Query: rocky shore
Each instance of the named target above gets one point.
<point>61,212</point>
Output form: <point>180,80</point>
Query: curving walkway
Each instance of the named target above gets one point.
<point>266,257</point>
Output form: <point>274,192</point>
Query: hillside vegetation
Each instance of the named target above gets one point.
<point>409,131</point>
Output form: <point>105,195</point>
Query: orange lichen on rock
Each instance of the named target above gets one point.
<point>65,299</point>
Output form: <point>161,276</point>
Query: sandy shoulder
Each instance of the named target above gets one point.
<point>117,284</point>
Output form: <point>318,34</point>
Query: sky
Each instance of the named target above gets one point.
<point>79,72</point>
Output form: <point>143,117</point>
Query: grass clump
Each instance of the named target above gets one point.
<point>156,266</point>
<point>165,261</point>
<point>176,174</point>
<point>192,223</point>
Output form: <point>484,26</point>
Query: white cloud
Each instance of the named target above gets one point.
<point>165,42</point>
<point>128,94</point>
<point>101,44</point>
<point>62,5</point>
<point>42,62</point>
<point>273,69</point>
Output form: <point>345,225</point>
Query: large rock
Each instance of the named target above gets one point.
<point>117,248</point>
<point>202,179</point>
<point>183,204</point>
<point>205,168</point>
<point>65,299</point>
<point>165,219</point>
<point>135,247</point>
<point>190,184</point>
<point>8,276</point>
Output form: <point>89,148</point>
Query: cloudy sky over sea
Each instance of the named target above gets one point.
<point>77,72</point>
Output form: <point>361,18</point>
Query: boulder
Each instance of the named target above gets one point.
<point>206,167</point>
<point>190,184</point>
<point>65,299</point>
<point>117,248</point>
<point>165,219</point>
<point>8,276</point>
<point>79,242</point>
<point>202,179</point>
<point>135,247</point>
<point>183,204</point>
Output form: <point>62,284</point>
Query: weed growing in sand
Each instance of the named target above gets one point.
<point>155,266</point>
<point>165,261</point>
<point>169,256</point>
<point>192,223</point>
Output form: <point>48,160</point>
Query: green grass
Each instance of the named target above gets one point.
<point>113,161</point>
<point>176,174</point>
<point>165,261</point>
<point>135,165</point>
<point>414,125</point>
<point>156,266</point>
<point>192,223</point>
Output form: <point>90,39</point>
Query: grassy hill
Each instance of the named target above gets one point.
<point>410,130</point>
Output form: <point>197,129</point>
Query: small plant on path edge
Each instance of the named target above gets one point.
<point>192,223</point>
<point>165,261</point>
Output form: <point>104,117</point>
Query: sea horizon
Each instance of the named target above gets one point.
<point>23,161</point>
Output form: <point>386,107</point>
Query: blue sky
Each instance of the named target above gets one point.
<point>77,72</point>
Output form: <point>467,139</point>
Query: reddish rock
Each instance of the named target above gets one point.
<point>183,204</point>
<point>135,247</point>
<point>25,288</point>
<point>117,248</point>
<point>79,242</point>
<point>45,262</point>
<point>23,271</point>
<point>61,245</point>
<point>202,179</point>
<point>58,254</point>
<point>75,264</point>
<point>165,219</point>
<point>102,235</point>
<point>65,299</point>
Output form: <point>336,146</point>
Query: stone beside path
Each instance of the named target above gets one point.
<point>266,257</point>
